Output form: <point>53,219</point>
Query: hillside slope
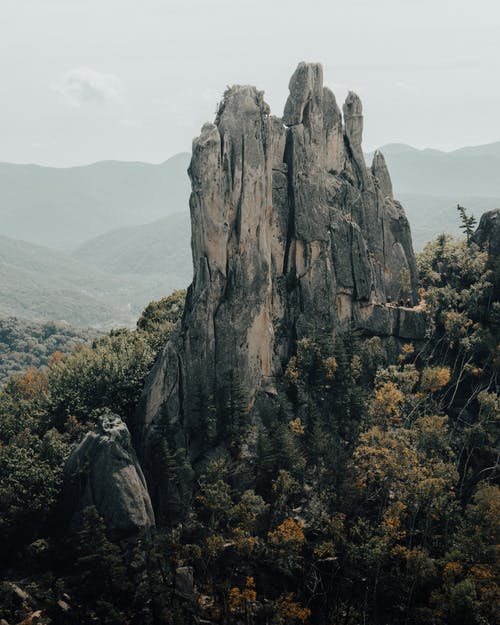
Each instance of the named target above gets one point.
<point>470,171</point>
<point>159,247</point>
<point>61,208</point>
<point>37,283</point>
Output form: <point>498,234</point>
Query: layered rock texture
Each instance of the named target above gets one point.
<point>292,234</point>
<point>103,471</point>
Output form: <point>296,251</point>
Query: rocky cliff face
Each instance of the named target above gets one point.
<point>487,235</point>
<point>292,234</point>
<point>103,471</point>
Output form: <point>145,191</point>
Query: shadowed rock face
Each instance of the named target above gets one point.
<point>103,471</point>
<point>291,234</point>
<point>487,235</point>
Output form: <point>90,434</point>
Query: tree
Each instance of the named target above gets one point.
<point>467,222</point>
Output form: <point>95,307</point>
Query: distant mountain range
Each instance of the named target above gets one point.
<point>430,184</point>
<point>107,282</point>
<point>161,247</point>
<point>62,208</point>
<point>99,242</point>
<point>467,172</point>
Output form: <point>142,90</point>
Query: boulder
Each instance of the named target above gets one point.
<point>487,235</point>
<point>184,583</point>
<point>103,471</point>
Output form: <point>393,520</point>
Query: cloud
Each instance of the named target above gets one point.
<point>82,85</point>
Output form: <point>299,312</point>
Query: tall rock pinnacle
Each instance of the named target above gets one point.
<point>291,234</point>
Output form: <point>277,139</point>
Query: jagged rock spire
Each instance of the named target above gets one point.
<point>381,174</point>
<point>291,234</point>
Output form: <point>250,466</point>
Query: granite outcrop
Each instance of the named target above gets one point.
<point>292,234</point>
<point>103,471</point>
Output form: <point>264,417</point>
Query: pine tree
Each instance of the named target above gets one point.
<point>467,222</point>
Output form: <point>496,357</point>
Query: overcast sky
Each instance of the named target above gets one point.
<point>86,80</point>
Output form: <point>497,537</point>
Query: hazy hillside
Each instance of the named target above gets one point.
<point>471,171</point>
<point>431,215</point>
<point>40,284</point>
<point>24,345</point>
<point>159,247</point>
<point>430,184</point>
<point>61,208</point>
<point>127,227</point>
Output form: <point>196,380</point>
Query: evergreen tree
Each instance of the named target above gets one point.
<point>467,222</point>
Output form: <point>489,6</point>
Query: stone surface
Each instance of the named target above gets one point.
<point>103,471</point>
<point>184,583</point>
<point>292,234</point>
<point>487,235</point>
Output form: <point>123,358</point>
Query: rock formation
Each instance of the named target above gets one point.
<point>292,234</point>
<point>103,471</point>
<point>487,235</point>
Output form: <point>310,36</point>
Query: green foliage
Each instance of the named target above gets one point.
<point>24,345</point>
<point>31,472</point>
<point>467,222</point>
<point>362,491</point>
<point>159,318</point>
<point>43,413</point>
<point>104,585</point>
<point>108,374</point>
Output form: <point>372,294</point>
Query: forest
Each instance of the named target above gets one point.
<point>27,344</point>
<point>373,499</point>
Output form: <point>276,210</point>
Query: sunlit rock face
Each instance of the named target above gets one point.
<point>292,234</point>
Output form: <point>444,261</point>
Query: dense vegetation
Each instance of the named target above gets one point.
<point>372,498</point>
<point>24,345</point>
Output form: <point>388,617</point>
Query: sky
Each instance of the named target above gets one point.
<point>89,80</point>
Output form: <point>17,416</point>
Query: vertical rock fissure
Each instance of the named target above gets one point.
<point>300,238</point>
<point>290,230</point>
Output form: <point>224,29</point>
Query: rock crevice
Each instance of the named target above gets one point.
<point>291,234</point>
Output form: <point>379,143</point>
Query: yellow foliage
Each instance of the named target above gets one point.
<point>331,366</point>
<point>292,372</point>
<point>399,551</point>
<point>238,598</point>
<point>452,569</point>
<point>456,324</point>
<point>54,359</point>
<point>356,367</point>
<point>406,351</point>
<point>215,545</point>
<point>32,384</point>
<point>244,542</point>
<point>387,400</point>
<point>291,610</point>
<point>482,572</point>
<point>325,549</point>
<point>435,378</point>
<point>392,521</point>
<point>284,485</point>
<point>296,426</point>
<point>287,533</point>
